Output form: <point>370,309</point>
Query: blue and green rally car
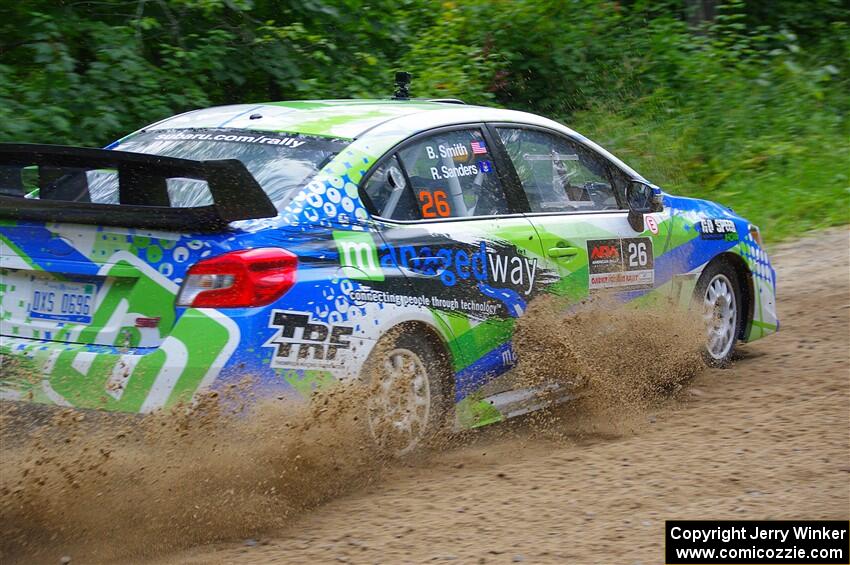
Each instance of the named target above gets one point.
<point>298,242</point>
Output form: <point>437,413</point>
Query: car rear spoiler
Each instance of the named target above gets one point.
<point>63,191</point>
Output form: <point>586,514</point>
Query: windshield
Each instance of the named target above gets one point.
<point>280,162</point>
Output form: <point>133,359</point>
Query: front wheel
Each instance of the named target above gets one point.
<point>719,293</point>
<point>406,398</point>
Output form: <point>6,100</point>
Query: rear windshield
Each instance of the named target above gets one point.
<point>280,162</point>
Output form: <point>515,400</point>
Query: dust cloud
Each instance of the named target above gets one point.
<point>107,488</point>
<point>101,489</point>
<point>617,358</point>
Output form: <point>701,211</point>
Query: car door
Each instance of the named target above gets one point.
<point>576,202</point>
<point>453,224</point>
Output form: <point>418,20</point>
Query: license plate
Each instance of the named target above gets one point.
<point>62,301</point>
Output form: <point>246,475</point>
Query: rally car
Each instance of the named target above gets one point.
<point>298,242</point>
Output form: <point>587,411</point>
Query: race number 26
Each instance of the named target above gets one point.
<point>636,253</point>
<point>434,204</point>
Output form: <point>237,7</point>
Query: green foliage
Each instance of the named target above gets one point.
<point>86,73</point>
<point>748,119</point>
<point>749,109</point>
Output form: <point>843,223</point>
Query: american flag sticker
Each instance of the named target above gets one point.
<point>479,148</point>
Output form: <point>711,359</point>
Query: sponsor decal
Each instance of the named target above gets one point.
<point>486,167</point>
<point>478,148</point>
<point>300,341</point>
<point>237,138</point>
<point>624,262</point>
<point>485,280</point>
<point>449,265</point>
<point>423,301</point>
<point>357,253</point>
<point>717,229</point>
<point>363,295</point>
<point>652,224</point>
<point>453,264</point>
<point>509,357</point>
<point>604,254</point>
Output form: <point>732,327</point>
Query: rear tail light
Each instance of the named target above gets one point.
<point>239,279</point>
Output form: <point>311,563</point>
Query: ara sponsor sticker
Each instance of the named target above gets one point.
<point>715,228</point>
<point>614,263</point>
<point>302,342</point>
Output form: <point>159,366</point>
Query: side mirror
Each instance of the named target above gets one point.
<point>642,199</point>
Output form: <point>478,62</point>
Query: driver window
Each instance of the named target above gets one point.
<point>558,175</point>
<point>453,175</point>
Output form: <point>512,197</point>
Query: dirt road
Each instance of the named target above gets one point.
<point>591,482</point>
<point>767,439</point>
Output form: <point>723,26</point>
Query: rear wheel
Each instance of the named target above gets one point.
<point>719,293</point>
<point>406,403</point>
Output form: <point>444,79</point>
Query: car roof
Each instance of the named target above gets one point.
<point>355,119</point>
<point>330,118</point>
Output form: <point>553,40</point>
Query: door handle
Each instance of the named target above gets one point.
<point>561,252</point>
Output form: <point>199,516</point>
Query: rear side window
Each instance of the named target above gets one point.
<point>452,175</point>
<point>558,175</point>
<point>389,193</point>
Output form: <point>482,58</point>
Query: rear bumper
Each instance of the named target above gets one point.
<point>118,379</point>
<point>205,350</point>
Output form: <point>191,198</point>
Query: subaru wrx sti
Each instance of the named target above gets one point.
<point>297,242</point>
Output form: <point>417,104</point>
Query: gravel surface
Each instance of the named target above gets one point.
<point>767,439</point>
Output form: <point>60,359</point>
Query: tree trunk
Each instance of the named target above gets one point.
<point>700,11</point>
